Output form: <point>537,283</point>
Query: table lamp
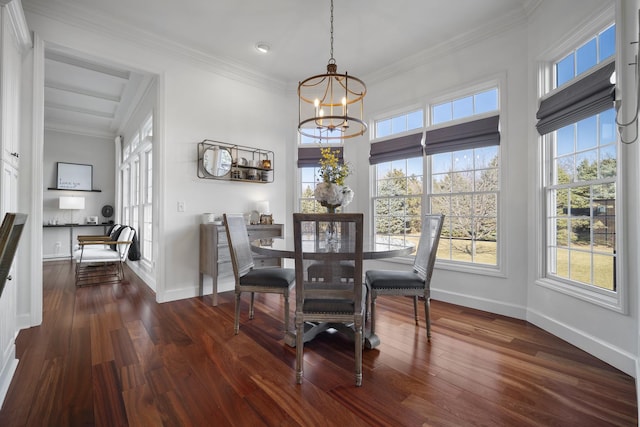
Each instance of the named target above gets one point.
<point>71,203</point>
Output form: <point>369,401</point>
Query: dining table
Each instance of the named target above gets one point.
<point>284,248</point>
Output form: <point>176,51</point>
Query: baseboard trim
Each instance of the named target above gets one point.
<point>6,375</point>
<point>614,356</point>
<point>492,306</point>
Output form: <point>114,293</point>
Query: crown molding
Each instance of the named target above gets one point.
<point>19,24</point>
<point>79,91</point>
<point>77,130</point>
<point>490,29</point>
<point>79,18</point>
<point>86,111</point>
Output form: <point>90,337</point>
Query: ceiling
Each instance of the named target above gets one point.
<point>370,36</point>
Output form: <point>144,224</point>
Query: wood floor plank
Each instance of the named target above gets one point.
<point>108,403</point>
<point>110,355</point>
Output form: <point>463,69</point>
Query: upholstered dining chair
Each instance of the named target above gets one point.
<point>416,282</point>
<point>272,280</point>
<point>336,298</point>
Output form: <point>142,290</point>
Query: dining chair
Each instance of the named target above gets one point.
<point>271,280</point>
<point>416,282</point>
<point>335,299</point>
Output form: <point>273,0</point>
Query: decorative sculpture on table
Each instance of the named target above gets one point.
<point>331,191</point>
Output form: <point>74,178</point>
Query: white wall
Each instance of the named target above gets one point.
<point>71,148</point>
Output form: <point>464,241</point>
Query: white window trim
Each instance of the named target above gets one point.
<point>616,301</point>
<point>499,81</point>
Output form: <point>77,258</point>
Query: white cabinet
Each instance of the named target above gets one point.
<point>10,92</point>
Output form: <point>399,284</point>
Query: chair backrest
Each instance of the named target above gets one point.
<point>10,232</point>
<point>239,245</point>
<point>126,235</point>
<point>428,246</point>
<point>328,239</point>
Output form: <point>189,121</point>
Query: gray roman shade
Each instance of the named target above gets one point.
<point>310,156</point>
<point>475,134</point>
<point>586,97</point>
<point>403,147</point>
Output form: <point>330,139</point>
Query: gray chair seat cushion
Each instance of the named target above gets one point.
<point>271,277</point>
<point>392,279</point>
<point>328,306</point>
<point>333,305</point>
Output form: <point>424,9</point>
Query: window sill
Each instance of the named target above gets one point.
<point>600,297</point>
<point>469,268</point>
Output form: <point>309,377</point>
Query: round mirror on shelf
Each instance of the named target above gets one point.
<point>216,161</point>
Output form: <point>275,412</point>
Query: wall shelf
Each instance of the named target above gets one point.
<point>66,189</point>
<point>232,162</point>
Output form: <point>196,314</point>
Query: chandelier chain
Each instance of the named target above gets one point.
<point>331,58</point>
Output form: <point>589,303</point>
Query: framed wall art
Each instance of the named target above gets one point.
<point>74,176</point>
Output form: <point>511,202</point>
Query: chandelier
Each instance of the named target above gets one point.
<point>330,105</point>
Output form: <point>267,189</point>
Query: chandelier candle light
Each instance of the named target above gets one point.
<point>330,106</point>
<point>331,191</point>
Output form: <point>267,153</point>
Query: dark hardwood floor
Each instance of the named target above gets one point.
<point>110,355</point>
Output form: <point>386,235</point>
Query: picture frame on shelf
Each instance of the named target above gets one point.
<point>74,176</point>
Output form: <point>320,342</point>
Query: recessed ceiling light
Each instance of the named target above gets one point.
<point>263,47</point>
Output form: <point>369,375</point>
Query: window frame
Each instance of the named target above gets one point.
<point>497,82</point>
<point>299,179</point>
<point>617,300</point>
<point>136,195</point>
<point>390,115</point>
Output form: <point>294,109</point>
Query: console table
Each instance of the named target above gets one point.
<point>72,226</point>
<point>215,259</point>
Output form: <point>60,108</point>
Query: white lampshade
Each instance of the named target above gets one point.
<point>70,202</point>
<point>263,207</point>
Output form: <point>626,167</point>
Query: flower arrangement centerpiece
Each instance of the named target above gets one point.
<point>331,192</point>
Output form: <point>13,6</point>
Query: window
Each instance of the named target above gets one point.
<point>464,177</point>
<point>397,204</point>
<point>478,103</point>
<point>465,188</point>
<point>308,180</point>
<point>584,58</point>
<point>147,219</point>
<point>137,187</point>
<point>398,164</point>
<point>399,124</point>
<point>581,195</point>
<point>309,173</point>
<point>581,169</point>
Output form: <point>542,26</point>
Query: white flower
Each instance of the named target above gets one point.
<point>333,194</point>
<point>347,195</point>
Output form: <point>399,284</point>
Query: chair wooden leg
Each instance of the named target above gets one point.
<point>373,313</point>
<point>415,309</point>
<point>427,316</point>
<point>236,323</point>
<point>286,313</point>
<point>251,305</point>
<point>358,348</point>
<point>299,349</point>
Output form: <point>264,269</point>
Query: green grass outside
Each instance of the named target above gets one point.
<point>486,253</point>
